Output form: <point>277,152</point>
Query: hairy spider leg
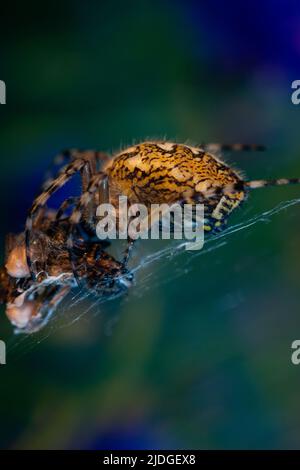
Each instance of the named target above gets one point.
<point>235,147</point>
<point>69,202</point>
<point>255,184</point>
<point>107,266</point>
<point>95,158</point>
<point>87,172</point>
<point>78,213</point>
<point>75,220</point>
<point>40,202</point>
<point>95,161</point>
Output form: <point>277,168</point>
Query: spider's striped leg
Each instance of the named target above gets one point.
<point>255,184</point>
<point>71,155</point>
<point>62,159</point>
<point>102,271</point>
<point>40,202</point>
<point>70,201</point>
<point>94,161</point>
<point>67,156</point>
<point>78,213</point>
<point>218,147</point>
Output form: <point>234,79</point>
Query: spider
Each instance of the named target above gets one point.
<point>31,302</point>
<point>57,250</point>
<point>150,172</point>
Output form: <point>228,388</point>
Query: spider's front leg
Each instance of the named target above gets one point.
<point>101,272</point>
<point>86,162</point>
<point>41,201</point>
<point>94,157</point>
<point>69,202</point>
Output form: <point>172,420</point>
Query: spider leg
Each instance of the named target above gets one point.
<point>72,155</point>
<point>145,224</point>
<point>95,158</point>
<point>100,269</point>
<point>218,147</point>
<point>66,157</point>
<point>255,184</point>
<point>79,211</point>
<point>40,202</point>
<point>70,201</point>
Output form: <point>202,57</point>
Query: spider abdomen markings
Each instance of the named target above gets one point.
<point>166,171</point>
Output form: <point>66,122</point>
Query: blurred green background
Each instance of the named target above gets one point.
<point>198,354</point>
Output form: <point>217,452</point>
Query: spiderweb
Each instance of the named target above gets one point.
<point>149,272</point>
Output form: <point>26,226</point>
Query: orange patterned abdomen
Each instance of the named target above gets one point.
<point>165,173</point>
